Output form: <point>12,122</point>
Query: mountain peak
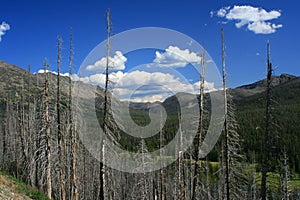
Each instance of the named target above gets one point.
<point>260,86</point>
<point>283,78</point>
<point>276,80</point>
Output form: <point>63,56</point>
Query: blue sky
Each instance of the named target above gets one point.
<point>34,26</point>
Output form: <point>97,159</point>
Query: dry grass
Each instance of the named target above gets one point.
<point>8,190</point>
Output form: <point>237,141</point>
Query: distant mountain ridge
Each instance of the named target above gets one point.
<point>260,86</point>
<point>12,75</point>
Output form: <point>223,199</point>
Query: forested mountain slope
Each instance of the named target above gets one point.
<point>24,157</point>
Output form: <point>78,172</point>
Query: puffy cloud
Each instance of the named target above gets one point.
<point>175,57</point>
<point>3,28</point>
<point>117,62</point>
<point>223,11</point>
<point>149,98</point>
<point>41,71</point>
<point>99,79</point>
<point>263,27</point>
<point>255,18</point>
<point>142,86</point>
<point>208,86</point>
<point>74,77</point>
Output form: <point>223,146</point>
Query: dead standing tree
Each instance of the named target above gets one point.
<point>22,124</point>
<point>46,127</point>
<point>74,190</point>
<point>266,145</point>
<point>200,126</point>
<point>106,104</point>
<point>232,162</point>
<point>59,131</point>
<point>29,131</point>
<point>226,131</point>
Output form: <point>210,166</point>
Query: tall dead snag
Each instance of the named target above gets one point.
<point>22,132</point>
<point>47,134</point>
<point>200,126</point>
<point>37,146</point>
<point>74,190</point>
<point>28,129</point>
<point>232,162</point>
<point>22,124</point>
<point>105,116</point>
<point>29,96</point>
<point>59,132</point>
<point>106,104</point>
<point>226,132</point>
<point>266,146</point>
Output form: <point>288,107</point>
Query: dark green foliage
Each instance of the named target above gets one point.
<point>285,116</point>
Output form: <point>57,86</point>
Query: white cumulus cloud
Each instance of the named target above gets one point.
<point>74,77</point>
<point>41,71</point>
<point>149,98</point>
<point>223,11</point>
<point>142,86</point>
<point>117,62</point>
<point>3,28</point>
<point>208,86</point>
<point>256,19</point>
<point>176,57</point>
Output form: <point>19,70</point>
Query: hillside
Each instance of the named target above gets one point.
<point>248,100</point>
<point>285,116</point>
<point>249,105</point>
<point>13,189</point>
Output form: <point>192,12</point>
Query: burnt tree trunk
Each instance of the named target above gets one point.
<point>266,146</point>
